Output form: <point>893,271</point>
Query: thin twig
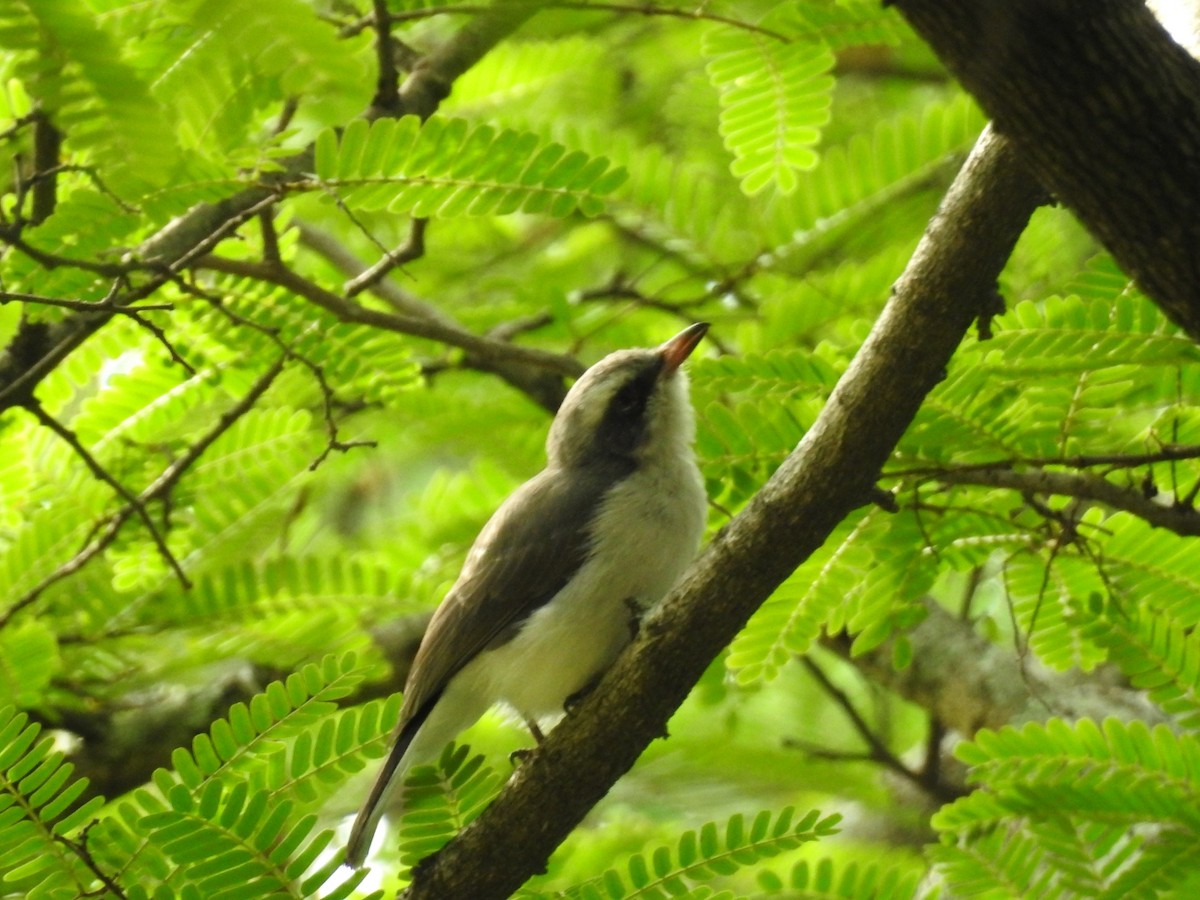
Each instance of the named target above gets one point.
<point>79,848</point>
<point>162,338</point>
<point>354,219</point>
<point>1180,517</point>
<point>645,9</point>
<point>349,311</point>
<point>158,490</point>
<point>55,261</point>
<point>1169,453</point>
<point>105,305</point>
<point>506,331</point>
<point>412,248</point>
<point>72,439</point>
<point>329,396</point>
<point>327,246</point>
<point>386,101</point>
<point>877,749</point>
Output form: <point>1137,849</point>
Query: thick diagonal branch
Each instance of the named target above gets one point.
<point>1105,110</point>
<point>950,279</point>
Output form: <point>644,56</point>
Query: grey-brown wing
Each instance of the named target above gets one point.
<point>525,554</point>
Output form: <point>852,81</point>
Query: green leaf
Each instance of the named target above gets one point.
<point>445,168</point>
<point>775,98</point>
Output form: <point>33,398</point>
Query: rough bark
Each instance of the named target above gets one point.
<point>950,281</point>
<point>1105,109</point>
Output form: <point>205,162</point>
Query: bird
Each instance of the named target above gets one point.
<point>551,590</point>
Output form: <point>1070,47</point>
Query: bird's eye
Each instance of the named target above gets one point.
<point>629,399</point>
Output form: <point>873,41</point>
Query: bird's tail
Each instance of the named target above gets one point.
<point>389,777</point>
<point>420,738</point>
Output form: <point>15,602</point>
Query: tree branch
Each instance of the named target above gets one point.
<point>1181,519</point>
<point>1105,109</point>
<point>545,387</point>
<point>413,248</point>
<point>948,282</point>
<point>349,311</point>
<point>639,9</point>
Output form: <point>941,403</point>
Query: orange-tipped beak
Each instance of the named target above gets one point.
<point>680,347</point>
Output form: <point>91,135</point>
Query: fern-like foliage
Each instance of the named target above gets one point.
<point>862,178</point>
<point>1109,811</point>
<point>42,821</point>
<point>774,98</point>
<point>1156,652</point>
<point>90,89</point>
<point>790,252</point>
<point>238,843</point>
<point>440,800</point>
<point>446,168</point>
<point>234,817</point>
<point>702,856</point>
<point>826,878</point>
<point>253,732</point>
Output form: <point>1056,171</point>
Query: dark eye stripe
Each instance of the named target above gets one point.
<point>623,427</point>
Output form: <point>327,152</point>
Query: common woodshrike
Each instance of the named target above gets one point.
<point>551,590</point>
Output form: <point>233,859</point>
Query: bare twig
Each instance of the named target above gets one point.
<point>326,245</point>
<point>644,9</point>
<point>161,337</point>
<point>158,490</point>
<point>506,331</point>
<point>11,237</point>
<point>1180,518</point>
<point>329,397</point>
<point>80,849</point>
<point>349,311</point>
<point>412,248</point>
<point>1169,453</point>
<point>105,305</point>
<point>386,101</point>
<point>877,750</point>
<point>134,503</point>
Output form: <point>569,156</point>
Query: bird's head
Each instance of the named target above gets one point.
<point>629,408</point>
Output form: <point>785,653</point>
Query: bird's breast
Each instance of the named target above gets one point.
<point>645,533</point>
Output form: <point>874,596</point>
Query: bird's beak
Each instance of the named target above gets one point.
<point>680,347</point>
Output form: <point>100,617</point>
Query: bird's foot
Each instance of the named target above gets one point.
<point>576,698</point>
